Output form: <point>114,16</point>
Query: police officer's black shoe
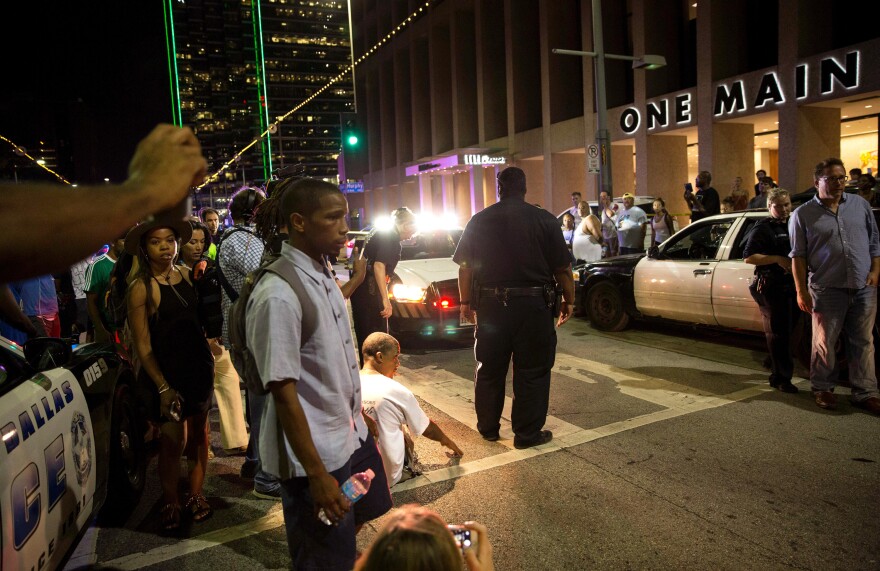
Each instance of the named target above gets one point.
<point>492,437</point>
<point>544,437</point>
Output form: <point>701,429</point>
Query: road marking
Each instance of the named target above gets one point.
<point>453,395</point>
<point>187,546</point>
<point>644,387</point>
<point>574,439</point>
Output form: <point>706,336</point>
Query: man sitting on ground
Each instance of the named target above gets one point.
<point>392,405</point>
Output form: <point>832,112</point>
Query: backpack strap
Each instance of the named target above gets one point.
<point>287,271</point>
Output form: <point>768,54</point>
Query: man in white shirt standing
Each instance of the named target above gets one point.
<point>632,223</point>
<point>392,405</point>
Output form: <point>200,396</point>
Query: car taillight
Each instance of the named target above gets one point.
<point>445,303</point>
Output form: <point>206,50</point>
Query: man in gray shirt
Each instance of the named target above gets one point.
<point>313,436</point>
<point>835,237</point>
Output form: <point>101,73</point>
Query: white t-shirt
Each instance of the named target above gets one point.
<point>629,227</point>
<point>392,405</point>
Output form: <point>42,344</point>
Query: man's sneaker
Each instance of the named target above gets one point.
<point>249,470</point>
<point>268,494</point>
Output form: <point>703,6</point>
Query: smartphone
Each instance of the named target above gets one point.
<point>462,536</point>
<point>688,187</point>
<point>176,408</point>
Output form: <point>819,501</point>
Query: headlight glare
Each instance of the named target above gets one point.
<point>403,292</point>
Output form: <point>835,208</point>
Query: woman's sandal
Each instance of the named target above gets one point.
<point>170,517</point>
<point>198,508</point>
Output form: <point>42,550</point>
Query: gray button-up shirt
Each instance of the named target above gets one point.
<point>838,247</point>
<point>325,369</point>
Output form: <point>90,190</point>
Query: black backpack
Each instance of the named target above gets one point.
<point>242,357</point>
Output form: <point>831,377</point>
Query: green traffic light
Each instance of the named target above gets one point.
<point>352,140</point>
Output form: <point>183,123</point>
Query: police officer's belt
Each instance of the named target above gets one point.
<point>513,291</point>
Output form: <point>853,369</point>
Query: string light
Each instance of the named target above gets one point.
<point>237,157</point>
<point>21,151</point>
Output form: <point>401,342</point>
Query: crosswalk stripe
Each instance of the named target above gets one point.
<point>454,395</point>
<point>194,545</point>
<point>577,438</point>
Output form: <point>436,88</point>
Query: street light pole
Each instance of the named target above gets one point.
<point>603,138</point>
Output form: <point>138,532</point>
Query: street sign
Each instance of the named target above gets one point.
<point>352,186</point>
<point>593,159</point>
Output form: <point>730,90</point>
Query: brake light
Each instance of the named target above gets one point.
<point>444,303</point>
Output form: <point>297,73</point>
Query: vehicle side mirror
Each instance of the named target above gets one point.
<point>654,253</point>
<point>44,353</point>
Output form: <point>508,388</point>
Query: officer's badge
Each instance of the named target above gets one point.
<point>82,447</point>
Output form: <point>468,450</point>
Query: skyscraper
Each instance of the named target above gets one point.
<point>237,67</point>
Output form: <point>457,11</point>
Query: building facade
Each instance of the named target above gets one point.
<point>235,67</point>
<point>474,86</point>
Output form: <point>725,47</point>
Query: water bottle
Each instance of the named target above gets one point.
<point>354,489</point>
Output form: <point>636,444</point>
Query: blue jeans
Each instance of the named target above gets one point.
<point>312,544</point>
<point>263,482</point>
<point>852,311</point>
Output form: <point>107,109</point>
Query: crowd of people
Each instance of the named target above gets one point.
<point>156,277</point>
<point>317,416</point>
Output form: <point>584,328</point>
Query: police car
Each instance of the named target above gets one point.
<point>72,440</point>
<point>424,288</point>
<point>696,276</point>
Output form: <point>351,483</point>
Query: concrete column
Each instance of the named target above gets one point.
<point>462,190</point>
<point>426,202</point>
<point>806,136</point>
<point>476,178</point>
<point>447,185</point>
<point>534,170</point>
<point>569,175</point>
<point>733,150</point>
<point>410,195</point>
<point>665,157</point>
<point>622,176</point>
<point>490,185</point>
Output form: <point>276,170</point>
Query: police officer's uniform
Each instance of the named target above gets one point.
<point>366,301</point>
<point>513,248</point>
<point>774,292</point>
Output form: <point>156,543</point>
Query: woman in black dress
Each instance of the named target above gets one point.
<point>176,362</point>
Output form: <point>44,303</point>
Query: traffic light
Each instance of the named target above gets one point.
<point>351,136</point>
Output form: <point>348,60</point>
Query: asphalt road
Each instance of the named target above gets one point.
<point>670,452</point>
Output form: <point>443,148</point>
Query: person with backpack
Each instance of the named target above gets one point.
<point>299,340</point>
<point>227,387</point>
<point>177,368</point>
<point>239,253</point>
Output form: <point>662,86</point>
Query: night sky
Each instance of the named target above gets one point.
<point>90,77</point>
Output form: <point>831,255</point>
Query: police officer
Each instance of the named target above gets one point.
<point>773,288</point>
<point>511,259</point>
<point>370,305</point>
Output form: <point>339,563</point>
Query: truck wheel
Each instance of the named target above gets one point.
<point>605,308</point>
<point>128,456</point>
